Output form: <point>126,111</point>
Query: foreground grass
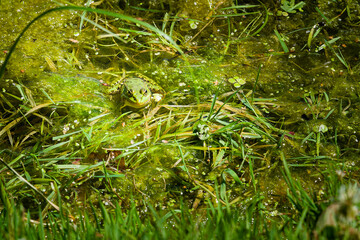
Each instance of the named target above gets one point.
<point>213,222</point>
<point>195,167</point>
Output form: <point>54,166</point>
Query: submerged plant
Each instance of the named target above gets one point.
<point>290,6</point>
<point>195,163</point>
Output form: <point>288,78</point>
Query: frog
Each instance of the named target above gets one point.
<point>137,92</point>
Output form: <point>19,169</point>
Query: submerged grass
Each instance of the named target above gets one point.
<point>188,167</point>
<point>167,38</point>
<point>227,133</point>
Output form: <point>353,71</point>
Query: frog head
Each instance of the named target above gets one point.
<point>136,92</point>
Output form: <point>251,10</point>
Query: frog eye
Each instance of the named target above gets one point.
<point>143,91</point>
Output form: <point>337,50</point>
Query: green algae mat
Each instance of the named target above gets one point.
<point>179,119</point>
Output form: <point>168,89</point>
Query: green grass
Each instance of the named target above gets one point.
<point>41,176</point>
<point>213,222</point>
<point>120,224</point>
<point>210,161</point>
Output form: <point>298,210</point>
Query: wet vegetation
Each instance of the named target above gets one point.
<point>255,133</point>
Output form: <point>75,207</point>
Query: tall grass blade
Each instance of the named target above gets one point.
<point>338,55</point>
<point>282,42</point>
<point>323,16</point>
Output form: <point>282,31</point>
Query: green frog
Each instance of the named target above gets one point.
<point>137,92</point>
